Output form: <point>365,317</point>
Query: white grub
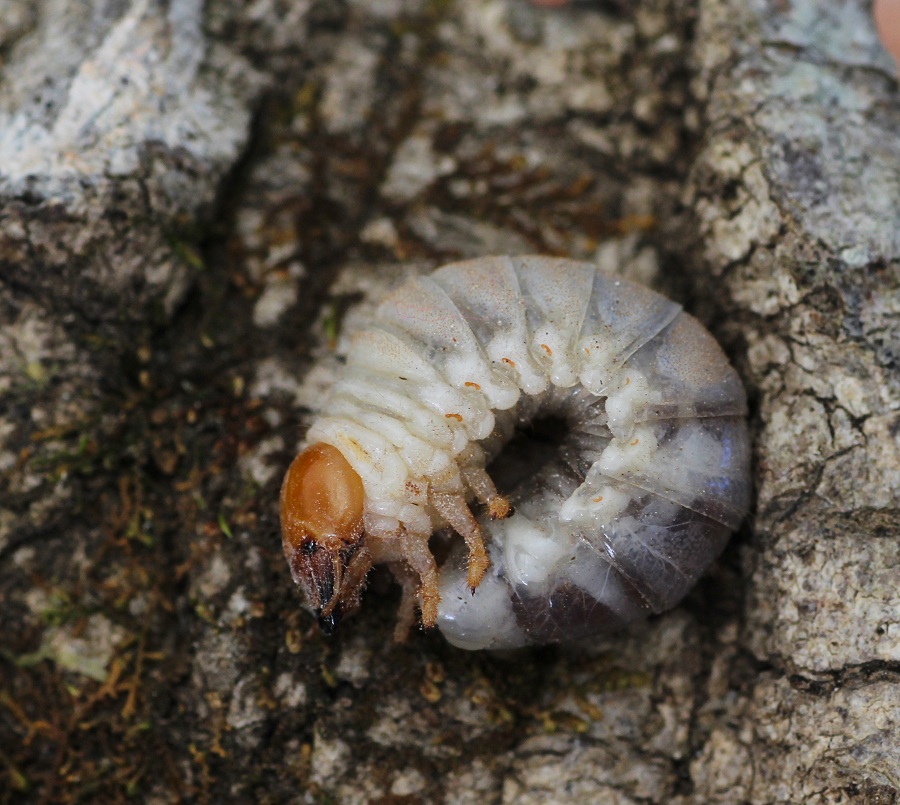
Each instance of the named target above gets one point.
<point>646,481</point>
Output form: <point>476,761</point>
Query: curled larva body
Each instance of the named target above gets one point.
<point>648,477</point>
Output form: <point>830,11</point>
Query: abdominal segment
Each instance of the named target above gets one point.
<point>596,543</point>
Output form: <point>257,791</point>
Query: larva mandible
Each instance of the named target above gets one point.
<point>648,479</point>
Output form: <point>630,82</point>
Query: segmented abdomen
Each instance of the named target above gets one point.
<point>650,476</point>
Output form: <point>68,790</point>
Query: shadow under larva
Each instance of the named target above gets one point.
<point>648,477</point>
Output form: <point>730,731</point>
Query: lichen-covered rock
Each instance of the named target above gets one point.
<point>795,190</point>
<point>116,126</point>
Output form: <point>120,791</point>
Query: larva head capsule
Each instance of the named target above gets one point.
<point>322,500</point>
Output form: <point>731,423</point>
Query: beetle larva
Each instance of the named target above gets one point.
<point>648,479</point>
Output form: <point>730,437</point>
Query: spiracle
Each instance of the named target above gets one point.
<point>645,478</point>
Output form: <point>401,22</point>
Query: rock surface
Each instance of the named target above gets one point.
<point>199,203</point>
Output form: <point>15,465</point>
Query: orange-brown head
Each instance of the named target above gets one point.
<point>322,501</point>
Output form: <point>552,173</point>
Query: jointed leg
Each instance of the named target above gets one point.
<point>478,480</point>
<point>414,549</point>
<point>406,614</point>
<point>454,510</point>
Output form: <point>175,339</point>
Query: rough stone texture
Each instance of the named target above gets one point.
<point>796,190</point>
<point>117,123</point>
<point>199,203</point>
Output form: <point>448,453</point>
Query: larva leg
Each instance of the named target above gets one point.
<point>478,480</point>
<point>415,551</point>
<point>455,510</point>
<point>406,614</point>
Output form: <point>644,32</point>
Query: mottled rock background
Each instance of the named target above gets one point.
<point>199,202</point>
